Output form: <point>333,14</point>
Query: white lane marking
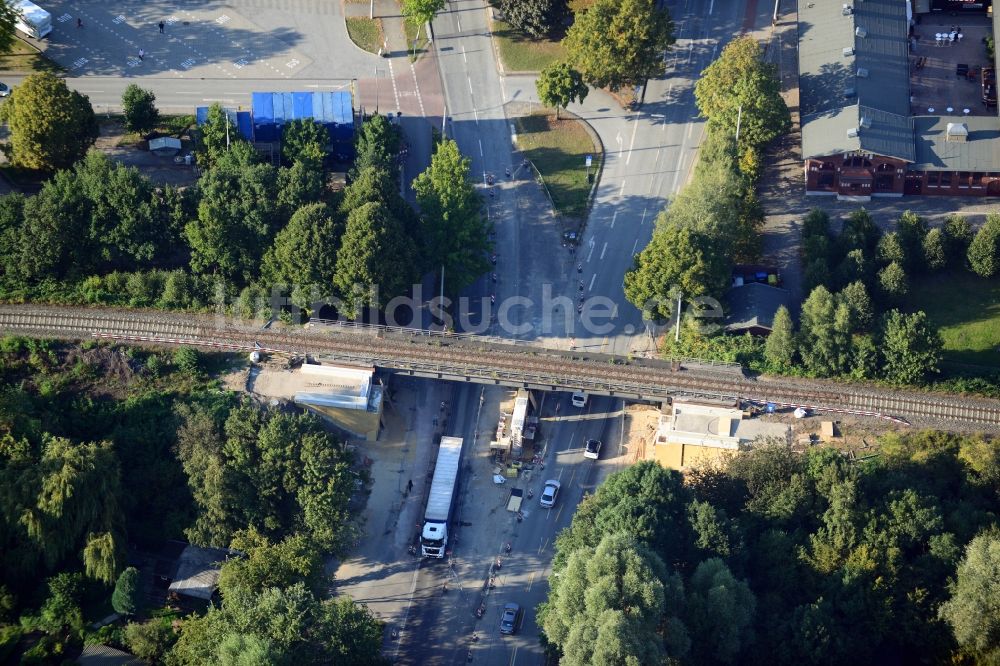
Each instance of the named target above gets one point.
<point>613,218</point>
<point>590,254</point>
<point>603,250</point>
<point>406,614</point>
<point>513,656</point>
<point>635,126</point>
<point>644,214</point>
<point>635,245</point>
<point>621,192</point>
<point>416,87</point>
<point>531,579</point>
<point>471,91</point>
<point>459,22</point>
<point>592,278</point>
<point>711,5</point>
<point>480,147</point>
<point>392,77</point>
<point>463,54</point>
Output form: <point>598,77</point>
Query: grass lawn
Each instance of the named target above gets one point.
<point>966,309</point>
<point>521,53</point>
<point>365,32</point>
<point>558,149</point>
<point>411,27</point>
<point>23,57</point>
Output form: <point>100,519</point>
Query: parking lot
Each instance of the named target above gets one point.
<point>201,40</point>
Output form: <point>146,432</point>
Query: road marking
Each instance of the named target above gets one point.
<point>392,77</point>
<point>542,547</point>
<point>621,192</point>
<point>463,54</point>
<point>459,22</point>
<point>590,254</point>
<point>592,278</point>
<point>513,656</point>
<point>613,218</point>
<point>603,250</point>
<point>644,212</point>
<point>480,147</point>
<point>406,614</point>
<point>531,579</point>
<point>416,86</point>
<point>711,5</point>
<point>559,513</point>
<point>471,91</point>
<point>690,50</point>
<point>635,126</point>
<point>635,245</point>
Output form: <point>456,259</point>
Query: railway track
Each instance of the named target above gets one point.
<point>491,361</point>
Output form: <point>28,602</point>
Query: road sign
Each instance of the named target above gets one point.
<point>590,160</point>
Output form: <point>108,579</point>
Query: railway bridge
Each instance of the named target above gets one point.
<point>501,362</point>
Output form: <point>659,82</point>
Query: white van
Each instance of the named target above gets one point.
<point>579,399</point>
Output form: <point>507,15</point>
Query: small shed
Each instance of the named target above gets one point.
<point>103,655</point>
<point>165,146</point>
<point>751,307</point>
<point>198,571</point>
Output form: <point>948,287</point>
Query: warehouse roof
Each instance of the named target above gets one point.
<point>854,78</point>
<point>979,152</point>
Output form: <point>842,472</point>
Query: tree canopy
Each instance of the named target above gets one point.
<point>559,85</point>
<point>51,126</point>
<point>139,107</point>
<point>619,43</point>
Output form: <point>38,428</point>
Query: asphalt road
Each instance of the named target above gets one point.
<point>441,627</point>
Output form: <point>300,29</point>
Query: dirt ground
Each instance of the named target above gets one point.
<point>161,170</point>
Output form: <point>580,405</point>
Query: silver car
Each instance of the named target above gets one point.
<point>549,493</point>
<point>593,449</point>
<point>509,619</point>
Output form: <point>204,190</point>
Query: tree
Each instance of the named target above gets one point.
<point>935,250</point>
<point>298,186</point>
<point>187,359</point>
<point>710,528</point>
<point>855,267</point>
<point>619,43</point>
<point>740,87</point>
<point>559,85</point>
<point>293,560</point>
<point>375,260</point>
<point>859,232</point>
<point>51,126</point>
<point>893,283</point>
<point>304,253</point>
<point>676,258</point>
<point>824,341</point>
<point>856,297</point>
<point>102,557</point>
<point>890,249</point>
<point>376,145</point>
<point>971,610</point>
<point>533,17</point>
<point>958,234</point>
<point>216,136</point>
<point>139,107</point>
<point>984,251</point>
<point>911,347</point>
<point>237,215</point>
<point>779,349</point>
<point>719,612</point>
<point>421,12</point>
<point>452,225</point>
<point>608,603</point>
<point>149,640</point>
<point>61,608</point>
<point>304,140</point>
<point>125,598</point>
<point>8,21</point>
<point>912,229</point>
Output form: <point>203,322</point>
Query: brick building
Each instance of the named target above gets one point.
<point>895,103</point>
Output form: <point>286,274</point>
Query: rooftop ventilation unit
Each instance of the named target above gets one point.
<point>850,92</point>
<point>848,51</point>
<point>862,73</point>
<point>957,132</point>
<point>853,132</point>
<point>847,10</point>
<point>866,122</point>
<point>860,32</point>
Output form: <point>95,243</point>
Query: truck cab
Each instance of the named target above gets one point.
<point>433,539</point>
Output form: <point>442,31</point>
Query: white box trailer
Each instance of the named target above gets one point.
<point>441,500</point>
<point>32,20</point>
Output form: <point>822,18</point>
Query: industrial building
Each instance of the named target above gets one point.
<point>898,97</point>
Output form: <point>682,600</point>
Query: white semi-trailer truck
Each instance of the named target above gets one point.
<point>441,501</point>
<point>32,20</point>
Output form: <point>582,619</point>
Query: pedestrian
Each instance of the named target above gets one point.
<point>409,486</point>
<point>161,25</point>
<point>79,23</point>
<point>141,54</point>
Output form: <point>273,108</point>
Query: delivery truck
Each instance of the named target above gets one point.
<point>32,20</point>
<point>441,501</point>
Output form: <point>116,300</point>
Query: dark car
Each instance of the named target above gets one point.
<point>509,619</point>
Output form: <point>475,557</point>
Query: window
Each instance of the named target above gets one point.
<point>963,179</point>
<point>933,178</point>
<point>946,179</point>
<point>977,180</point>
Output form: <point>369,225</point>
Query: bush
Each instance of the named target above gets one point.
<point>9,638</point>
<point>187,359</point>
<point>149,640</point>
<point>125,598</point>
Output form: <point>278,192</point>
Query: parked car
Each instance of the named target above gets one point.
<point>510,618</point>
<point>549,494</point>
<point>4,90</point>
<point>579,399</point>
<point>593,449</point>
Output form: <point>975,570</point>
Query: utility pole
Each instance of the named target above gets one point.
<point>441,302</point>
<point>677,330</point>
<point>774,18</point>
<point>739,119</point>
<point>376,90</point>
<point>371,10</point>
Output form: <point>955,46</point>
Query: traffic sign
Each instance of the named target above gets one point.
<point>590,159</point>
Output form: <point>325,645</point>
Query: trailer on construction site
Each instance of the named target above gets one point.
<point>515,499</point>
